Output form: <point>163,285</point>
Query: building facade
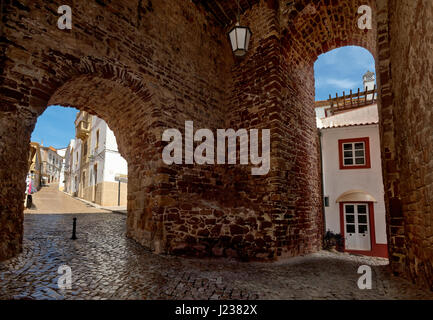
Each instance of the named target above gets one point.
<point>95,170</point>
<point>68,170</point>
<point>62,153</point>
<point>354,205</point>
<point>51,165</point>
<point>35,165</point>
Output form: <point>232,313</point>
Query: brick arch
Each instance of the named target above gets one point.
<point>185,54</point>
<point>120,74</point>
<point>129,109</point>
<point>274,88</point>
<point>309,29</point>
<point>163,71</point>
<point>134,112</point>
<point>319,26</point>
<point>112,101</point>
<point>400,42</point>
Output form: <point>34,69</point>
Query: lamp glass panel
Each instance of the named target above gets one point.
<point>248,39</point>
<point>241,34</point>
<point>233,39</point>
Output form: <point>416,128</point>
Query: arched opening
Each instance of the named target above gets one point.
<point>274,88</point>
<point>116,65</point>
<point>110,99</point>
<point>74,153</point>
<point>347,118</point>
<point>117,69</point>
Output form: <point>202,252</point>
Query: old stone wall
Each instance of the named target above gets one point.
<point>390,166</point>
<point>308,30</point>
<point>411,47</point>
<point>147,66</point>
<point>142,69</point>
<point>274,88</point>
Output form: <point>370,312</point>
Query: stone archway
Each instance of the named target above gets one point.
<point>111,64</point>
<point>274,88</point>
<point>288,37</point>
<point>112,101</point>
<point>175,60</point>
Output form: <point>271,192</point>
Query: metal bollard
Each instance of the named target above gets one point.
<point>74,229</point>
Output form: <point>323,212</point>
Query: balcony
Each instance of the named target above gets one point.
<point>83,130</point>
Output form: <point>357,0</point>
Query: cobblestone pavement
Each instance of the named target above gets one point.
<point>107,265</point>
<point>50,200</point>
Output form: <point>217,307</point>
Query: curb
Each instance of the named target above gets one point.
<point>97,206</point>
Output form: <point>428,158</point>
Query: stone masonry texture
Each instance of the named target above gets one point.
<point>145,66</point>
<point>107,265</point>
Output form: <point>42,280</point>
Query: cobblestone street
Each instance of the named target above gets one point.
<point>107,265</point>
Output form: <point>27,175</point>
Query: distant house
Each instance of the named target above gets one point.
<point>62,153</point>
<point>35,164</point>
<point>69,168</point>
<point>52,164</point>
<point>352,171</point>
<point>95,170</point>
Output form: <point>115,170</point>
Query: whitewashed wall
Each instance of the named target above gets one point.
<point>98,153</point>
<point>62,153</point>
<point>338,181</point>
<point>114,163</point>
<point>68,165</point>
<point>76,163</point>
<point>108,159</point>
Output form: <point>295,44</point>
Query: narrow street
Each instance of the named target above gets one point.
<point>50,200</point>
<point>107,265</point>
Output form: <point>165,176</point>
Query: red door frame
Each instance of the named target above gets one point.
<point>377,249</point>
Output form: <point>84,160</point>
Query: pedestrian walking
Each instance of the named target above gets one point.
<point>29,200</point>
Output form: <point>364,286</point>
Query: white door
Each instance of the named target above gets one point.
<point>357,226</point>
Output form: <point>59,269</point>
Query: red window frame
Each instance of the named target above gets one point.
<point>366,141</point>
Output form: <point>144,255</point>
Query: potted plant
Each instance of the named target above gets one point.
<point>333,241</point>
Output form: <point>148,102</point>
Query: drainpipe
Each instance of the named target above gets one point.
<point>321,180</point>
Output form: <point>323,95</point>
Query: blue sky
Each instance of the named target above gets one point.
<point>335,71</point>
<point>341,70</point>
<point>55,127</point>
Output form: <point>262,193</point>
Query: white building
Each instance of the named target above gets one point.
<point>352,171</point>
<point>67,167</point>
<point>96,170</point>
<point>62,152</point>
<point>51,165</point>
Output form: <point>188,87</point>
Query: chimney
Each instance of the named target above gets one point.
<point>368,80</point>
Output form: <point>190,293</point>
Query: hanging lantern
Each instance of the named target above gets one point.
<point>239,36</point>
<point>239,39</point>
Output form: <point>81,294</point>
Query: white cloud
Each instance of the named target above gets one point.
<point>337,83</point>
<point>341,70</point>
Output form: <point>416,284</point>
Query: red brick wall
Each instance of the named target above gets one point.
<point>140,69</point>
<point>151,67</point>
